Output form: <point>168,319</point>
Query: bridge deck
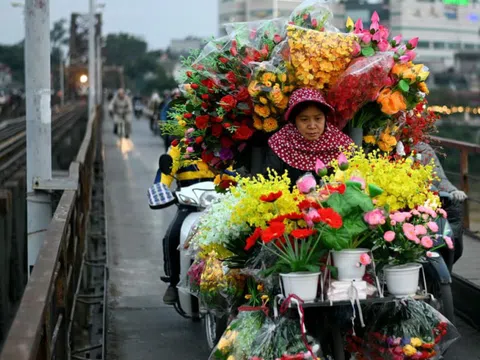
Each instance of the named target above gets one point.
<point>468,266</point>
<point>140,326</point>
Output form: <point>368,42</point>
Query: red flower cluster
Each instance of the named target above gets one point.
<point>360,84</point>
<point>416,126</point>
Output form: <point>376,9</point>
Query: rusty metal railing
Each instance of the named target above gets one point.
<point>40,330</point>
<point>465,149</point>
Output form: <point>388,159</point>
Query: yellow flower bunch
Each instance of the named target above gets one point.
<point>270,90</point>
<point>319,58</point>
<point>406,185</point>
<point>386,140</point>
<point>412,74</point>
<point>257,213</point>
<point>214,280</point>
<point>227,341</point>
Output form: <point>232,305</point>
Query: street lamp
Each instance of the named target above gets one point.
<point>83,79</point>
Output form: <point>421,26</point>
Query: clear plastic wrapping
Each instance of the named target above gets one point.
<point>402,329</point>
<point>358,85</point>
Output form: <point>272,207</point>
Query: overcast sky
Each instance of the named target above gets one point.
<point>157,21</point>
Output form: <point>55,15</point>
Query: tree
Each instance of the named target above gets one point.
<point>123,49</point>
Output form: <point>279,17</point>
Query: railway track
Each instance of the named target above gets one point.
<point>13,138</point>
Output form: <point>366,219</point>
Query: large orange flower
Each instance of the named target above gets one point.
<point>391,102</point>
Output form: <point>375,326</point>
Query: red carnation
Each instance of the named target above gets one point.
<point>274,231</point>
<point>209,83</point>
<point>243,133</point>
<point>199,140</point>
<point>195,86</point>
<point>202,121</point>
<point>189,73</point>
<point>272,197</point>
<point>217,130</point>
<point>205,96</point>
<point>187,116</point>
<point>252,239</point>
<point>223,60</point>
<point>277,38</point>
<point>207,157</point>
<point>228,102</point>
<point>174,142</point>
<point>204,105</point>
<point>243,94</point>
<point>227,125</point>
<point>302,233</point>
<point>230,76</point>
<point>217,119</point>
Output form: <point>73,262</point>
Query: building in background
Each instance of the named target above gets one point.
<point>252,10</point>
<point>182,47</point>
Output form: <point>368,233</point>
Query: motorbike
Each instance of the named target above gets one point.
<point>198,196</point>
<point>438,268</point>
<point>138,109</point>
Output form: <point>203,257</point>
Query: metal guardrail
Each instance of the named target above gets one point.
<point>465,150</point>
<point>41,328</point>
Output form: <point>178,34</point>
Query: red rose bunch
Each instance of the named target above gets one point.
<point>360,84</point>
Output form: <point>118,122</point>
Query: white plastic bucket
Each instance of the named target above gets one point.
<point>402,280</point>
<point>347,263</point>
<point>302,284</point>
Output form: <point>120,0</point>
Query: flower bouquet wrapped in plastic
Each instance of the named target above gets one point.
<point>312,14</point>
<point>220,288</point>
<point>237,341</point>
<point>358,85</point>
<point>270,89</point>
<point>401,330</point>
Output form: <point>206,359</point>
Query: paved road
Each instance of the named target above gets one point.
<point>140,326</point>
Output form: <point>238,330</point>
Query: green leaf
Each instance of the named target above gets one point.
<point>403,85</point>
<point>374,190</point>
<point>368,51</point>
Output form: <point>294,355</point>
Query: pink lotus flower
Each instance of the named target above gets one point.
<point>420,230</point>
<point>342,162</point>
<point>375,17</point>
<point>365,259</point>
<point>359,26</point>
<point>427,242</point>
<point>433,226</point>
<point>320,168</point>
<point>375,217</point>
<point>359,180</point>
<point>449,242</point>
<point>409,232</point>
<point>413,42</point>
<point>375,26</point>
<point>389,236</point>
<point>306,183</point>
<point>383,45</point>
<point>366,37</point>
<point>397,39</point>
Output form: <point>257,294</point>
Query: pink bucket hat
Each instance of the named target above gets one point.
<point>303,95</point>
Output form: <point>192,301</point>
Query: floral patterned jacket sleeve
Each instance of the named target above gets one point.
<point>427,154</point>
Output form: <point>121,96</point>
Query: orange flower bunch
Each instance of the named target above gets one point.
<point>270,89</point>
<point>319,58</point>
<point>391,101</point>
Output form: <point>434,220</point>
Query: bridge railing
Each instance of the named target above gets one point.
<point>42,326</point>
<point>465,150</point>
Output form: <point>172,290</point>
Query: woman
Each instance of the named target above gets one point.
<point>308,136</point>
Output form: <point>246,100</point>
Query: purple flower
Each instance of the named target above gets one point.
<point>226,154</point>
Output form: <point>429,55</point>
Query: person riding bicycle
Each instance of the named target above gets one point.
<point>154,106</point>
<point>121,110</point>
<point>186,175</point>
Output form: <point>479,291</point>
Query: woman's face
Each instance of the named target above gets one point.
<point>311,122</point>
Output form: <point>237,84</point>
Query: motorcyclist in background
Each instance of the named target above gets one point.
<point>120,108</point>
<point>153,108</point>
<point>190,173</point>
<point>454,205</point>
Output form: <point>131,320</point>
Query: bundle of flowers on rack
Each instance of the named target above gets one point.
<point>402,330</point>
